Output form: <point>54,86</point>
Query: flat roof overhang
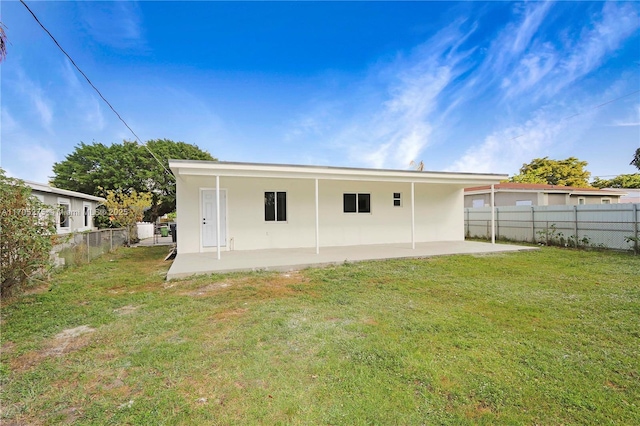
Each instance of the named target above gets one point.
<point>287,171</point>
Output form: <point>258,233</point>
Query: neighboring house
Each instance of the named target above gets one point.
<point>530,194</point>
<point>270,206</point>
<point>74,211</point>
<point>633,196</point>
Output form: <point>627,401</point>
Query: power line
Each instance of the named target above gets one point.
<point>94,87</point>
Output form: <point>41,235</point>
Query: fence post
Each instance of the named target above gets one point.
<point>497,223</point>
<point>575,224</point>
<point>88,249</point>
<point>467,224</point>
<point>533,225</point>
<point>111,240</point>
<point>547,233</point>
<point>635,228</point>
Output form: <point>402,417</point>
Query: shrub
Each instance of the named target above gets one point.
<point>27,231</point>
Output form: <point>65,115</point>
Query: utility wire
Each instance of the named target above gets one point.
<point>95,88</point>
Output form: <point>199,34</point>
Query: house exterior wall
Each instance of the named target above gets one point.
<point>504,199</point>
<point>76,210</point>
<point>439,214</point>
<point>593,199</point>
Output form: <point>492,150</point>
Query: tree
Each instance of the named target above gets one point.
<point>636,159</point>
<point>27,229</point>
<point>620,181</point>
<point>569,172</point>
<point>96,168</point>
<point>126,208</point>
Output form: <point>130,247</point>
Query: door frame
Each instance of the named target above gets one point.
<point>224,247</point>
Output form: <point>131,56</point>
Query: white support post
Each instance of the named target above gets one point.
<point>317,221</point>
<point>413,216</point>
<point>493,215</point>
<point>218,215</point>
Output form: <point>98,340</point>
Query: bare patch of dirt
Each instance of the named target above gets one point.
<point>125,310</point>
<point>204,291</point>
<point>370,321</point>
<point>67,341</point>
<point>233,313</point>
<point>479,410</point>
<point>7,347</point>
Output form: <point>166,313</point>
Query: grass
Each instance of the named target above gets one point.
<point>545,337</point>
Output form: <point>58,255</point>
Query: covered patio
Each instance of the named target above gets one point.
<point>187,264</point>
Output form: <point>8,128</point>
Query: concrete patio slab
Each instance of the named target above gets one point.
<point>187,264</point>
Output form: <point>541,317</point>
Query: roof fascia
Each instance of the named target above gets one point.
<point>329,173</point>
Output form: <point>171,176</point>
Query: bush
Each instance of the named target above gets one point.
<point>27,231</point>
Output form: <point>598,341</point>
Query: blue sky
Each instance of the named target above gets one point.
<point>462,86</point>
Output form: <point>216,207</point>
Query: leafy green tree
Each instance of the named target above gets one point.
<point>620,181</point>
<point>97,168</point>
<point>568,172</point>
<point>636,159</point>
<point>27,230</point>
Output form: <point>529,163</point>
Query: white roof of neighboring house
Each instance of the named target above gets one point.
<point>265,170</point>
<point>43,187</point>
<point>550,189</point>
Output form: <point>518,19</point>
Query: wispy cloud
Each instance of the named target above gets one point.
<point>117,24</point>
<point>391,130</point>
<point>630,122</point>
<point>41,104</point>
<point>83,103</point>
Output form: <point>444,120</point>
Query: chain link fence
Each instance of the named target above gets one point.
<point>613,226</point>
<point>80,248</point>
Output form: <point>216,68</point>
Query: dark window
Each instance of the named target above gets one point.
<point>349,203</point>
<point>281,205</point>
<point>87,211</point>
<point>357,203</point>
<point>275,206</point>
<point>397,199</point>
<point>364,203</point>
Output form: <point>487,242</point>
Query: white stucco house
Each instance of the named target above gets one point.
<point>73,211</point>
<point>229,207</point>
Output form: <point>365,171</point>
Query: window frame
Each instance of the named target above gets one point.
<point>86,215</point>
<point>357,202</point>
<point>59,224</point>
<point>276,212</point>
<point>605,200</point>
<point>582,201</point>
<point>398,199</point>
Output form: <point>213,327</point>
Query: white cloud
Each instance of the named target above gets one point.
<point>616,24</point>
<point>83,103</point>
<point>33,162</point>
<point>116,23</point>
<point>506,150</point>
<point>41,104</point>
<point>630,122</point>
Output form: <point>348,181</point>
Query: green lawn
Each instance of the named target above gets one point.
<point>547,337</point>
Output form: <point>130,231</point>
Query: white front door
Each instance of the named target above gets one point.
<point>209,224</point>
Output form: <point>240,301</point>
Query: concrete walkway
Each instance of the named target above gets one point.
<point>187,264</point>
<point>155,241</point>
